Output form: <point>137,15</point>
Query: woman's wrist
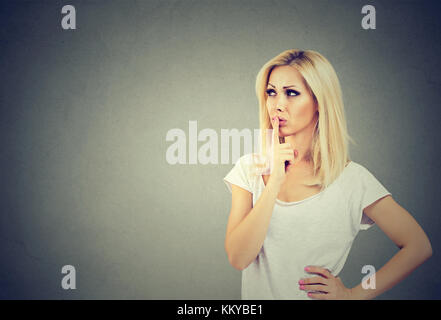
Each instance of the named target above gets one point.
<point>358,293</point>
<point>273,185</point>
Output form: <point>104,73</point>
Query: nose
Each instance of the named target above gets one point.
<point>281,104</point>
<point>280,108</point>
<point>277,109</point>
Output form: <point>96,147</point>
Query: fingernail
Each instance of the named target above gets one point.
<point>301,282</point>
<point>309,294</point>
<point>302,287</point>
<point>306,268</point>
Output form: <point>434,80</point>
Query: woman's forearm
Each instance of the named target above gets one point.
<point>396,269</point>
<point>245,241</point>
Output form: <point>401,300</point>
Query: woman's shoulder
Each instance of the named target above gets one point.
<point>355,172</point>
<point>251,156</point>
<point>254,164</point>
<point>251,159</point>
<point>356,167</point>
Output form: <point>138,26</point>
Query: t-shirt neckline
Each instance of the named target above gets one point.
<point>285,203</point>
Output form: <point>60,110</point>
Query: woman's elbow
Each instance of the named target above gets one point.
<point>237,266</point>
<point>428,248</point>
<point>237,259</point>
<point>423,246</point>
<point>234,263</point>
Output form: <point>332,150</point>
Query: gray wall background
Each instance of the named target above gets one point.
<point>85,112</point>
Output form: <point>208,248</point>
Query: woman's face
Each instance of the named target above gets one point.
<point>294,103</point>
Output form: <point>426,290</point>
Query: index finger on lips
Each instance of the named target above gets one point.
<point>276,131</point>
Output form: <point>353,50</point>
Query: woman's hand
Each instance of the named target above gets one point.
<point>281,152</point>
<point>330,287</point>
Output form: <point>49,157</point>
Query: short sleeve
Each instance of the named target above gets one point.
<point>366,189</point>
<point>239,175</point>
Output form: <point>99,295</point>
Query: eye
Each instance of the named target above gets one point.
<point>269,91</point>
<point>289,92</point>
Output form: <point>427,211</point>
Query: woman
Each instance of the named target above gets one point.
<point>290,230</point>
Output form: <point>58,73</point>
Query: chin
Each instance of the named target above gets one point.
<point>286,133</point>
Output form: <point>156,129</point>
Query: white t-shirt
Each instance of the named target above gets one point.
<point>316,231</point>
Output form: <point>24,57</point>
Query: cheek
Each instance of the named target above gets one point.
<point>268,104</point>
<point>268,107</point>
<point>302,109</point>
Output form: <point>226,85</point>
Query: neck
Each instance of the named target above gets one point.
<point>301,142</point>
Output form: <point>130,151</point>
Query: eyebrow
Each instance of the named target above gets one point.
<point>283,87</point>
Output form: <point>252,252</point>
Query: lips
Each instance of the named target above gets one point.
<point>280,118</point>
<point>282,121</point>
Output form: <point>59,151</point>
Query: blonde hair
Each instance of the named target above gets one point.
<point>329,146</point>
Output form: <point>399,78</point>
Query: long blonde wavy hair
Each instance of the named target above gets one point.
<point>329,146</point>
